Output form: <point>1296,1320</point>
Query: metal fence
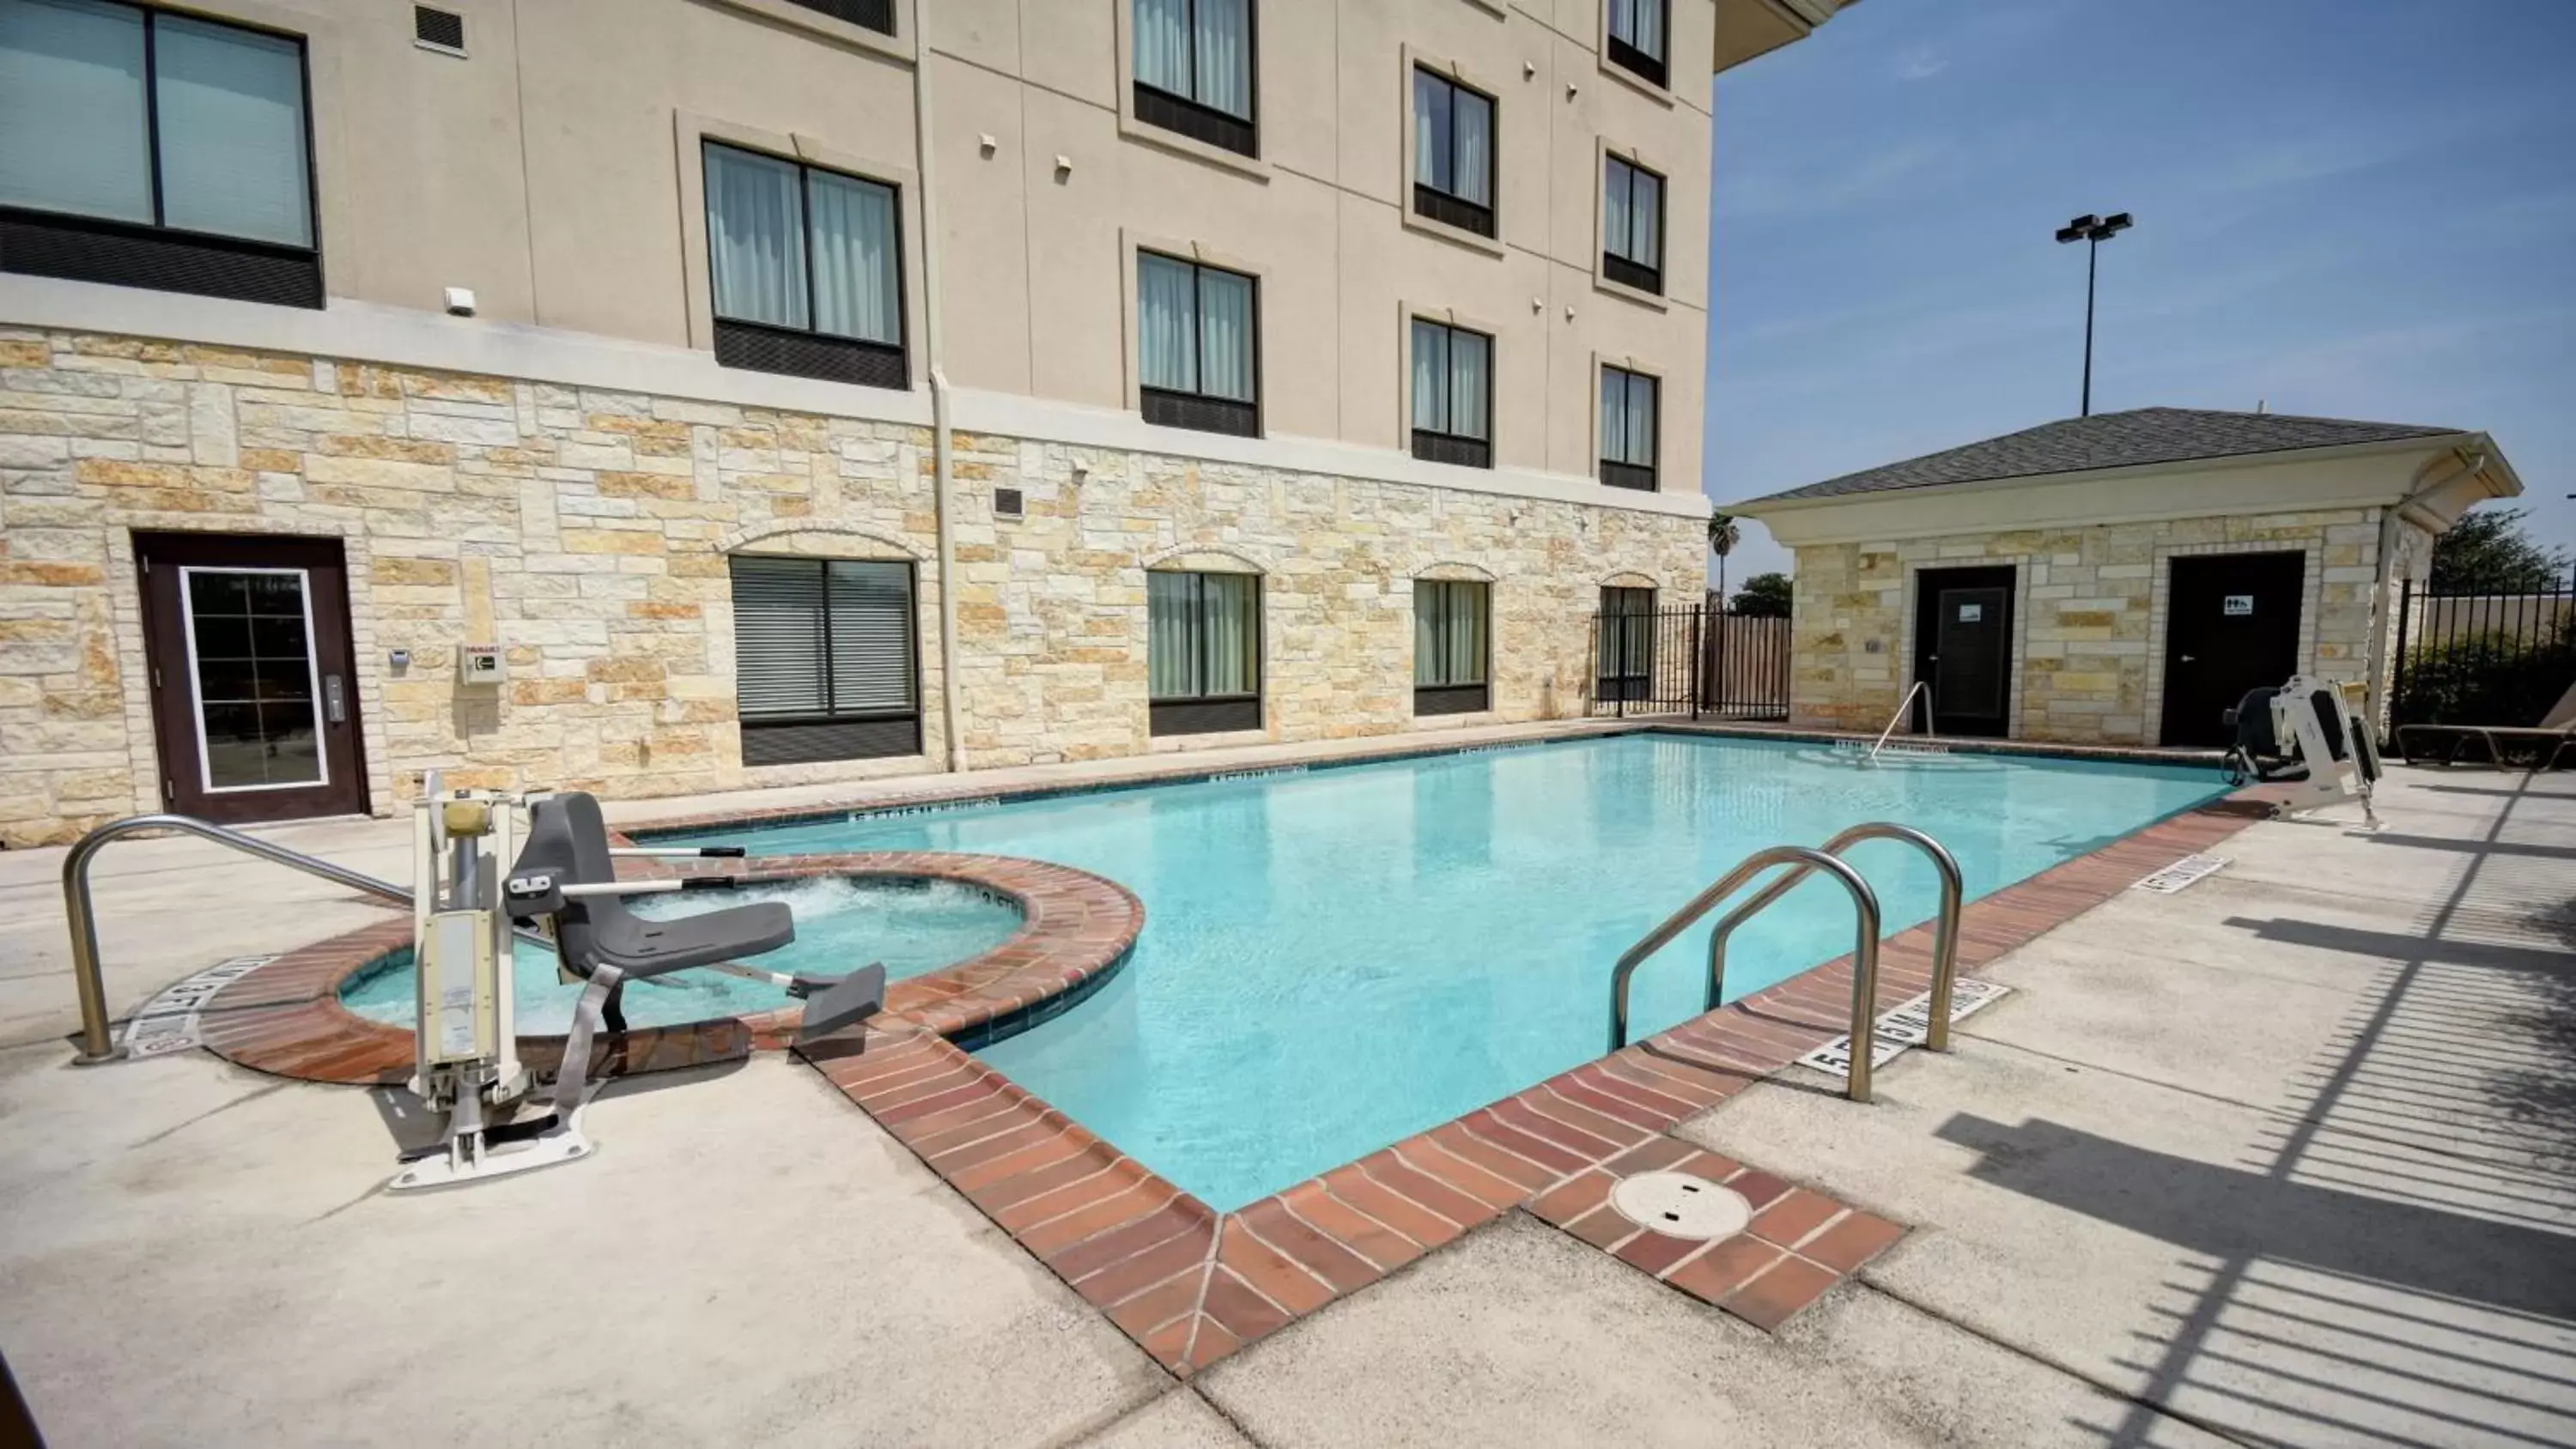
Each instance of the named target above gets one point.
<point>1699,661</point>
<point>2482,659</point>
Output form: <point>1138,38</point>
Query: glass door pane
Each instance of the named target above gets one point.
<point>251,667</point>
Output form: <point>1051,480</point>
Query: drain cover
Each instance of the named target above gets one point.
<point>1680,1205</point>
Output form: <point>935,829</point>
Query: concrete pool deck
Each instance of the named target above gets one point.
<point>2284,1158</point>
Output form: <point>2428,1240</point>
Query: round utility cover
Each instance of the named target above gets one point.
<point>1681,1205</point>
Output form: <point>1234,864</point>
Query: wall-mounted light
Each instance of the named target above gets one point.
<point>460,301</point>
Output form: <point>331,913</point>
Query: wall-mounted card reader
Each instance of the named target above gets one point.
<point>480,664</point>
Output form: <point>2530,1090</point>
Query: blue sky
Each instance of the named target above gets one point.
<point>2356,208</point>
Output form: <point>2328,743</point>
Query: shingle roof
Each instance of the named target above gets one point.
<point>2112,440</point>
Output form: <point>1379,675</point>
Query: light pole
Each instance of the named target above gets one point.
<point>2092,231</point>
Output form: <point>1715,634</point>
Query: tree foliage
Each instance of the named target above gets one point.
<point>1764,596</point>
<point>2490,552</point>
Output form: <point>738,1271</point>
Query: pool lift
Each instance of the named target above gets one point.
<point>467,920</point>
<point>2307,735</point>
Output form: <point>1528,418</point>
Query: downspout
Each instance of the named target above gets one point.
<point>930,346</point>
<point>2376,655</point>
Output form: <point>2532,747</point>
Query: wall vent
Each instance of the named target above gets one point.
<point>438,29</point>
<point>1008,503</point>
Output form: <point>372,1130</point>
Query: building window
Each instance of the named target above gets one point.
<point>1625,652</point>
<point>1453,153</point>
<point>1628,428</point>
<point>876,15</point>
<point>149,149</point>
<point>1194,70</point>
<point>1197,336</point>
<point>1632,225</point>
<point>1453,408</point>
<point>1637,31</point>
<point>1451,645</point>
<point>1203,652</point>
<point>806,268</point>
<point>823,660</point>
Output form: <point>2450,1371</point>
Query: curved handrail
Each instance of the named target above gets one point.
<point>1921,686</point>
<point>1864,946</point>
<point>1945,935</point>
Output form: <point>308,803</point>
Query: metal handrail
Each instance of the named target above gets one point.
<point>98,1042</point>
<point>1945,934</point>
<point>1921,686</point>
<point>1864,946</point>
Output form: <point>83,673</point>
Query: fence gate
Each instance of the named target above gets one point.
<point>1701,661</point>
<point>2484,658</point>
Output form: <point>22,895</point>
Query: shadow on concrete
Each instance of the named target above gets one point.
<point>2393,1260</point>
<point>414,1128</point>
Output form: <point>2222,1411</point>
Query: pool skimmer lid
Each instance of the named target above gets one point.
<point>1681,1205</point>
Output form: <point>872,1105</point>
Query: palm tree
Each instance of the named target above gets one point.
<point>1723,536</point>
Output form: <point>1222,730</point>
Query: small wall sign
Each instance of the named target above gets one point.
<point>2239,605</point>
<point>1971,613</point>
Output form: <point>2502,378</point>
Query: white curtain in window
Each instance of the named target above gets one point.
<point>1432,120</point>
<point>755,238</point>
<point>232,131</point>
<point>1474,118</point>
<point>1640,23</point>
<point>1448,632</point>
<point>1614,415</point>
<point>1627,417</point>
<point>853,241</point>
<point>1225,334</point>
<point>1470,366</point>
<point>1231,604</point>
<point>1167,323</point>
<point>1222,30</point>
<point>1615,177</point>
<point>1641,420</point>
<point>1163,44</point>
<point>1430,376</point>
<point>1171,644</point>
<point>72,117</point>
<point>1428,604</point>
<point>1645,220</point>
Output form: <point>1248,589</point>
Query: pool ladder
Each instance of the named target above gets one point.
<point>1809,859</point>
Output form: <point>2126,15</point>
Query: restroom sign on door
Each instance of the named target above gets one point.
<point>2239,605</point>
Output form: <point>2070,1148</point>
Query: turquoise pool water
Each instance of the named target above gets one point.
<point>912,926</point>
<point>1336,959</point>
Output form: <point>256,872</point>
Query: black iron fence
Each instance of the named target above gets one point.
<point>1700,661</point>
<point>2501,660</point>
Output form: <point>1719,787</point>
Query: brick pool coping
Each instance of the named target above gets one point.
<point>1077,929</point>
<point>1192,1285</point>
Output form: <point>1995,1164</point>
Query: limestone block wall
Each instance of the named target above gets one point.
<point>588,533</point>
<point>2089,616</point>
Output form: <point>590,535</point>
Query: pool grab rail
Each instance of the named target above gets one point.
<point>98,1035</point>
<point>1807,860</point>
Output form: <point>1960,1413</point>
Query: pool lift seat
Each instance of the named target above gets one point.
<point>2307,735</point>
<point>566,876</point>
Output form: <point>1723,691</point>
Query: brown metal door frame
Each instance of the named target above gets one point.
<point>159,557</point>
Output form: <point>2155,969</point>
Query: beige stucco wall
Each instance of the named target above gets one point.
<point>2089,615</point>
<point>594,523</point>
<point>552,170</point>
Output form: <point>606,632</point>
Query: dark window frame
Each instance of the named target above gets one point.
<point>1188,115</point>
<point>801,730</point>
<point>808,351</point>
<point>1439,445</point>
<point>1200,411</point>
<point>1627,271</point>
<point>876,15</point>
<point>1619,472</point>
<point>164,258</point>
<point>1625,55</point>
<point>1448,207</point>
<point>1205,713</point>
<point>1460,697</point>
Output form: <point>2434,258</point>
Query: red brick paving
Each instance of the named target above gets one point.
<point>1192,1285</point>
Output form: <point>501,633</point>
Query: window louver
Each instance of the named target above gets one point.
<point>442,28</point>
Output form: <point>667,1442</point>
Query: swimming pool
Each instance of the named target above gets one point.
<point>913,926</point>
<point>1337,958</point>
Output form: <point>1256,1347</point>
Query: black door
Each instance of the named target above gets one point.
<point>1963,646</point>
<point>2233,625</point>
<point>254,698</point>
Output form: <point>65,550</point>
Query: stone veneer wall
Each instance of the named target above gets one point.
<point>589,532</point>
<point>2089,620</point>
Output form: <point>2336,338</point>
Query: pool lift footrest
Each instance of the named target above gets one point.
<point>1907,1025</point>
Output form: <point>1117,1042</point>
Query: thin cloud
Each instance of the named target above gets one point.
<point>1919,62</point>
